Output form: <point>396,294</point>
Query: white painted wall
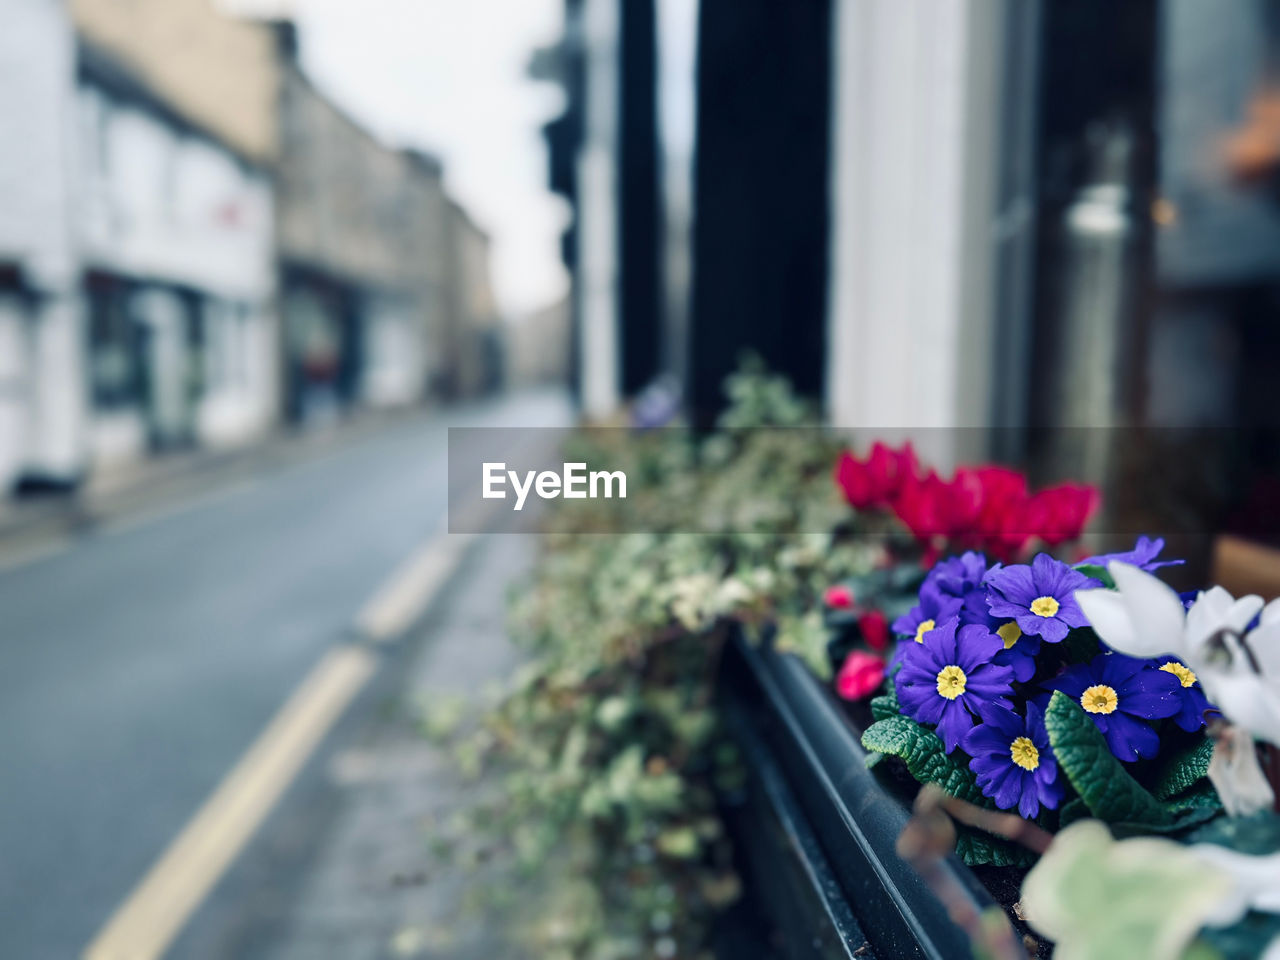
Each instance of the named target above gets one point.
<point>160,204</point>
<point>913,144</point>
<point>42,425</point>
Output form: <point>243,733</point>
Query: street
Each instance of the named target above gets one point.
<point>143,660</point>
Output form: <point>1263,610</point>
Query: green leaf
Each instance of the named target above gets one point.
<point>1101,899</point>
<point>1102,782</point>
<point>1258,835</point>
<point>886,705</point>
<point>1181,770</point>
<point>925,756</point>
<point>1098,573</point>
<point>978,848</point>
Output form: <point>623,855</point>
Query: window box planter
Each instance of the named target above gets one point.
<point>816,830</point>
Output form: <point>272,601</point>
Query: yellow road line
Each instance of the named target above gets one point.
<point>407,593</point>
<point>144,926</point>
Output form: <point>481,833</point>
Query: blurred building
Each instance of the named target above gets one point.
<point>473,337</point>
<point>354,246</point>
<point>197,244</point>
<point>539,347</point>
<point>1057,220</point>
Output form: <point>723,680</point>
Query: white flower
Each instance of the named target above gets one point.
<point>1256,879</point>
<point>1236,775</point>
<point>1143,617</point>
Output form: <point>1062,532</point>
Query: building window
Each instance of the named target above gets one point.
<point>115,344</point>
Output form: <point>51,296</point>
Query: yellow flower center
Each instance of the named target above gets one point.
<point>925,627</point>
<point>1185,674</point>
<point>1100,699</point>
<point>951,681</point>
<point>1024,753</point>
<point>1044,606</point>
<point>1010,633</point>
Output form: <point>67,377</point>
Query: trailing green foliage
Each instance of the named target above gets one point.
<point>608,745</point>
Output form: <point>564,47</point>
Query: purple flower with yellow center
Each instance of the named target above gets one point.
<point>1194,702</point>
<point>948,675</point>
<point>1039,598</point>
<point>1120,694</point>
<point>1013,760</point>
<point>958,576</point>
<point>1019,650</point>
<point>1143,555</point>
<point>934,607</point>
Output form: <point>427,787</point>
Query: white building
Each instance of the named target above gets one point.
<point>136,266</point>
<point>42,410</point>
<point>175,235</point>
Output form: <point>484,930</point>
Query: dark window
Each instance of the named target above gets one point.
<point>115,344</point>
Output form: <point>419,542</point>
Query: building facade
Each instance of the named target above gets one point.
<point>198,244</point>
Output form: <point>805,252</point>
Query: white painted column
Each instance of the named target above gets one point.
<point>597,274</point>
<point>912,143</point>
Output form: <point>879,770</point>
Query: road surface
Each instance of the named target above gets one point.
<point>139,663</point>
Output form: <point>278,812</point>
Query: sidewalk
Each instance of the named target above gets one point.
<point>373,889</point>
<point>30,524</point>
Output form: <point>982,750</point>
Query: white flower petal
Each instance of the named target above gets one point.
<point>1246,700</point>
<point>1257,879</point>
<point>1156,615</point>
<point>1271,612</point>
<point>1264,641</point>
<point>1242,612</point>
<point>1236,775</point>
<point>1208,614</point>
<point>1108,613</point>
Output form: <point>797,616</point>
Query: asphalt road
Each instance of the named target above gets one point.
<point>138,664</point>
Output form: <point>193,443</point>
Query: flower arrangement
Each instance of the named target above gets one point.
<point>1205,889</point>
<point>1060,711</point>
<point>980,512</point>
<point>1003,692</point>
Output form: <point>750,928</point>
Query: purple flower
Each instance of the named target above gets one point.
<point>948,674</point>
<point>1191,694</point>
<point>934,607</point>
<point>1039,597</point>
<point>1013,760</point>
<point>1119,694</point>
<point>1142,555</point>
<point>958,576</point>
<point>1019,650</point>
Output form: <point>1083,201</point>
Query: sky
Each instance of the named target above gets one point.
<point>450,76</point>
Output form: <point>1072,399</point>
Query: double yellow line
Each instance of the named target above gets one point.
<point>152,916</point>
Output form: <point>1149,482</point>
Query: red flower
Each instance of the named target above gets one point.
<point>860,676</point>
<point>1058,514</point>
<point>932,507</point>
<point>838,597</point>
<point>875,629</point>
<point>1000,526</point>
<point>874,482</point>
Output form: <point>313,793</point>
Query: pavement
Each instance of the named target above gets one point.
<point>149,660</point>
